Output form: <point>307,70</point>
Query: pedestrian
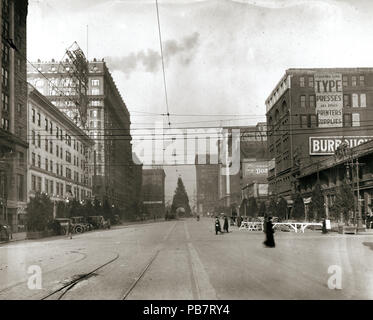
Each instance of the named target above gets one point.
<point>324,230</point>
<point>239,221</point>
<point>70,230</point>
<point>264,225</point>
<point>226,224</point>
<point>217,225</point>
<point>270,241</point>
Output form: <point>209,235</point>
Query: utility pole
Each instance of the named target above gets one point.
<point>359,218</point>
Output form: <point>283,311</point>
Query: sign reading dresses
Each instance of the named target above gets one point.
<point>329,100</point>
<point>328,145</point>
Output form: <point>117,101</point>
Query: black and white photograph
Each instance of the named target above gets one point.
<point>186,150</point>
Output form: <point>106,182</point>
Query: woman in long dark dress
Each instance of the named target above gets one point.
<point>226,224</point>
<point>270,241</point>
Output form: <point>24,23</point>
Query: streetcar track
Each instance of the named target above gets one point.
<point>70,285</point>
<point>142,273</point>
<point>140,276</point>
<point>48,272</point>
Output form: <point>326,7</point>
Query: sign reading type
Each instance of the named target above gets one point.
<point>329,100</point>
<point>328,145</point>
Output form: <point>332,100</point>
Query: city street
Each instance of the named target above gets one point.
<point>184,259</point>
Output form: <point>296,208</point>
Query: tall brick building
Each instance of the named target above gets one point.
<point>207,178</point>
<point>153,191</point>
<point>309,114</point>
<point>13,111</point>
<point>108,124</point>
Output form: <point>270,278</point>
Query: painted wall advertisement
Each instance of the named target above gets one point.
<point>328,145</point>
<point>255,169</point>
<point>329,100</point>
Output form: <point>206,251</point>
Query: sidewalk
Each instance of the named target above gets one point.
<point>19,236</point>
<point>16,237</point>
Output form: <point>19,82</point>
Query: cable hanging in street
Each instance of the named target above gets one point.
<point>163,67</point>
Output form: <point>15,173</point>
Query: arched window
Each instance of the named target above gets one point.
<point>284,107</point>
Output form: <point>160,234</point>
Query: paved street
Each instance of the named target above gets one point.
<point>185,260</point>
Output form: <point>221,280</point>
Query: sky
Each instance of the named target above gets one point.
<point>222,57</point>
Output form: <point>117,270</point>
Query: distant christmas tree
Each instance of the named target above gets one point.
<point>180,199</point>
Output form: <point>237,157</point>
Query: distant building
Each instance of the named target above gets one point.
<point>59,152</point>
<point>108,124</point>
<point>153,192</point>
<point>310,113</point>
<point>136,171</point>
<point>13,112</point>
<point>253,165</point>
<point>207,178</point>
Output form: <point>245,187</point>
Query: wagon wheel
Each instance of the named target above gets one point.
<point>79,229</point>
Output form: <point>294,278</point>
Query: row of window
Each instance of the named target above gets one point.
<point>55,91</point>
<point>311,120</point>
<point>349,100</point>
<point>49,166</point>
<point>59,133</point>
<point>49,188</point>
<point>347,80</point>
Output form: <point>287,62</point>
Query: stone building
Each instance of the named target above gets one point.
<point>310,112</point>
<point>59,152</point>
<point>13,111</point>
<point>108,124</point>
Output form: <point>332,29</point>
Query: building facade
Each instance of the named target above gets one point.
<point>355,166</point>
<point>309,114</point>
<point>59,152</point>
<point>153,192</point>
<point>108,124</point>
<point>207,185</point>
<point>13,112</point>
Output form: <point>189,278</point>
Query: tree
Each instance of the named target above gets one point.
<point>282,208</point>
<point>344,202</point>
<point>252,209</point>
<point>87,208</point>
<point>62,210</point>
<point>74,208</point>
<point>180,199</point>
<point>107,210</point>
<point>39,212</point>
<point>272,208</point>
<point>97,208</point>
<point>298,208</point>
<point>317,203</point>
<point>262,209</point>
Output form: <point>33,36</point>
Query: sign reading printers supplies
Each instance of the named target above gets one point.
<point>329,99</point>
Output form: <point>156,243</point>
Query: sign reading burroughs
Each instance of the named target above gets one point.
<point>328,145</point>
<point>329,100</point>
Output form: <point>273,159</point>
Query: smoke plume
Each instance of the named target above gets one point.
<point>150,59</point>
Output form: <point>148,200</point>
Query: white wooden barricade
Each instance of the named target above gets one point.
<point>258,226</point>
